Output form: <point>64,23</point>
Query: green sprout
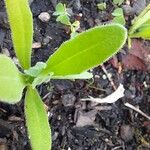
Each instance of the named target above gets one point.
<point>63,17</point>
<point>118,16</point>
<point>72,60</point>
<point>118,2</point>
<point>101,6</point>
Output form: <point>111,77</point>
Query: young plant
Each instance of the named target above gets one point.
<point>118,16</point>
<point>63,17</point>
<point>101,6</point>
<point>71,61</point>
<point>118,2</point>
<point>141,25</point>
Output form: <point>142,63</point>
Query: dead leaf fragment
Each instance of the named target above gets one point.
<point>119,93</point>
<point>138,57</point>
<point>86,118</point>
<point>133,62</point>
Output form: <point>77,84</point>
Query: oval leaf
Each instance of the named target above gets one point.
<point>21,24</point>
<point>37,121</point>
<point>86,50</point>
<point>11,81</point>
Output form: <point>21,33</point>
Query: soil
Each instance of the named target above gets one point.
<point>78,125</point>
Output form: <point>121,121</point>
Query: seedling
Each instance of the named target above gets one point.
<point>71,61</point>
<point>62,14</point>
<point>63,17</point>
<point>101,6</point>
<point>118,16</point>
<point>118,2</point>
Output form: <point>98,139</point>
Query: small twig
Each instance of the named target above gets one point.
<point>45,96</point>
<point>109,78</point>
<point>117,147</point>
<point>99,89</point>
<point>137,110</point>
<point>119,93</point>
<point>100,108</point>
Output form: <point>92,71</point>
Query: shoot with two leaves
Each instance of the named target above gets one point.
<point>63,17</point>
<point>118,16</point>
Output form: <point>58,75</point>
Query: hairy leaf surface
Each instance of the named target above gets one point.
<point>21,24</point>
<point>37,121</point>
<point>11,81</point>
<point>86,50</point>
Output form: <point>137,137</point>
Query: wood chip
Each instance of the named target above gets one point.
<point>137,110</point>
<point>119,93</point>
<point>36,45</point>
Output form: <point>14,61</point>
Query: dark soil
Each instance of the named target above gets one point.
<point>80,125</point>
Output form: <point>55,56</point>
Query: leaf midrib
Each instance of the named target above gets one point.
<point>76,54</point>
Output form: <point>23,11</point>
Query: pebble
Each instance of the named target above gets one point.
<point>36,45</point>
<point>77,4</point>
<point>54,137</point>
<point>46,40</point>
<point>62,85</point>
<point>3,146</point>
<point>126,133</point>
<point>128,10</point>
<point>139,6</point>
<point>85,118</point>
<point>68,100</point>
<point>54,3</point>
<point>44,16</point>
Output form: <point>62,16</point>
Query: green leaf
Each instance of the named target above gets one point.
<point>140,22</point>
<point>11,81</point>
<point>86,50</point>
<point>35,70</point>
<point>117,12</point>
<point>60,9</point>
<point>21,25</point>
<point>41,79</point>
<point>120,20</point>
<point>64,19</point>
<point>73,35</point>
<point>142,19</point>
<point>101,6</point>
<point>75,26</point>
<point>119,17</point>
<point>83,75</point>
<point>118,2</point>
<point>46,78</point>
<point>37,121</point>
<point>142,32</point>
